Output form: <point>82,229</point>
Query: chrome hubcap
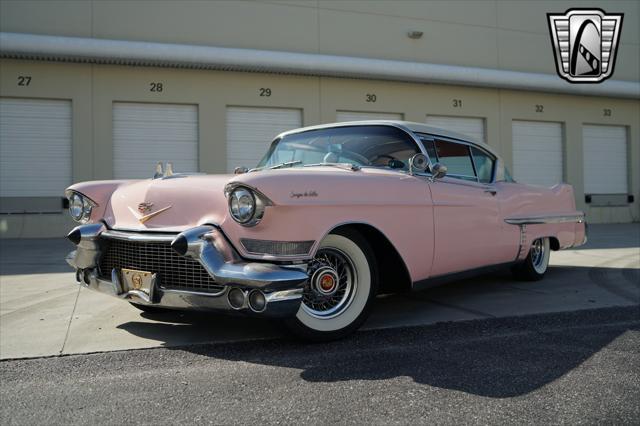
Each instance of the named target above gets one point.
<point>332,286</point>
<point>538,253</point>
<point>325,281</point>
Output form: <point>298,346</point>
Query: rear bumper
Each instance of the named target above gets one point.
<point>281,287</point>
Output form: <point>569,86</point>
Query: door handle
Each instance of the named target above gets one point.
<point>490,191</point>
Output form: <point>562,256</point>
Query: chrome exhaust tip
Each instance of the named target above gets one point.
<point>236,298</point>
<point>257,301</point>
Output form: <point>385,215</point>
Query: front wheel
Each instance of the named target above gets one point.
<point>339,294</point>
<point>535,265</point>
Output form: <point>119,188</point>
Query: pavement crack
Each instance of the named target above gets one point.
<point>73,312</point>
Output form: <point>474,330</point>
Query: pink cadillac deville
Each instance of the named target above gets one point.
<point>332,216</point>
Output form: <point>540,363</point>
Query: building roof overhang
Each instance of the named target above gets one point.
<point>139,53</point>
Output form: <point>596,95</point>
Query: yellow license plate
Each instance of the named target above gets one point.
<point>137,280</point>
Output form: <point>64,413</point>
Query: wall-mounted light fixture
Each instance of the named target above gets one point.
<point>415,34</point>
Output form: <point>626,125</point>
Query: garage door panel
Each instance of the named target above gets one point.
<point>342,116</point>
<point>29,126</point>
<point>469,126</point>
<point>605,159</point>
<point>250,131</point>
<point>144,134</point>
<point>538,157</point>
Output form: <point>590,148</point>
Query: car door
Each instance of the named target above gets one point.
<point>467,219</point>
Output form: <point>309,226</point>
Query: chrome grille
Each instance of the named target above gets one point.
<point>173,271</point>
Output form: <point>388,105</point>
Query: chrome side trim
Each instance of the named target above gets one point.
<point>522,249</point>
<point>538,220</point>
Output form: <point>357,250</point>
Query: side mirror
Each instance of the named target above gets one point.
<point>418,163</point>
<point>240,170</point>
<point>438,171</point>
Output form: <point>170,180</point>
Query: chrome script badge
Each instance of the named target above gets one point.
<point>585,43</point>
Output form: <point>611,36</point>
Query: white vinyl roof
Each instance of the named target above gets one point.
<point>102,51</point>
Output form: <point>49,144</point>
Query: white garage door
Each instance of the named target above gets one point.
<point>342,116</point>
<point>473,127</point>
<point>251,130</point>
<point>144,134</point>
<point>605,159</point>
<point>35,147</point>
<point>537,152</point>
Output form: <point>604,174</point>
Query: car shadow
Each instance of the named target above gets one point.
<point>492,357</point>
<point>496,358</point>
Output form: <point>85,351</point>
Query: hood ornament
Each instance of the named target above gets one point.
<point>160,173</point>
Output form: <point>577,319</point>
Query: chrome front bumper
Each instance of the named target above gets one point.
<point>281,287</point>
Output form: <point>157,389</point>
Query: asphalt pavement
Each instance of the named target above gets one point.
<point>562,368</point>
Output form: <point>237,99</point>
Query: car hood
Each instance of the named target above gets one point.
<point>179,202</point>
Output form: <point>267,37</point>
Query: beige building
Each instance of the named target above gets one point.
<point>105,89</point>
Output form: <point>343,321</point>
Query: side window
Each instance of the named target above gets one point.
<point>457,158</point>
<point>484,164</point>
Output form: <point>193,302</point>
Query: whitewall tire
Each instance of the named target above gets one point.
<point>537,262</point>
<point>341,289</point>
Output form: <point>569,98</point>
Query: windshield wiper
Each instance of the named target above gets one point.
<point>345,166</point>
<point>278,166</point>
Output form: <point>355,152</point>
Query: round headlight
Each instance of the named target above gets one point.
<point>76,206</point>
<point>242,205</point>
<point>80,207</point>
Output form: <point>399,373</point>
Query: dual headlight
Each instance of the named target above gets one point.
<point>246,205</point>
<point>80,206</point>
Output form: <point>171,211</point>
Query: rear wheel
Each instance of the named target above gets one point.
<point>535,265</point>
<point>341,289</point>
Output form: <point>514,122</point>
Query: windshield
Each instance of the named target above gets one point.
<point>377,146</point>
